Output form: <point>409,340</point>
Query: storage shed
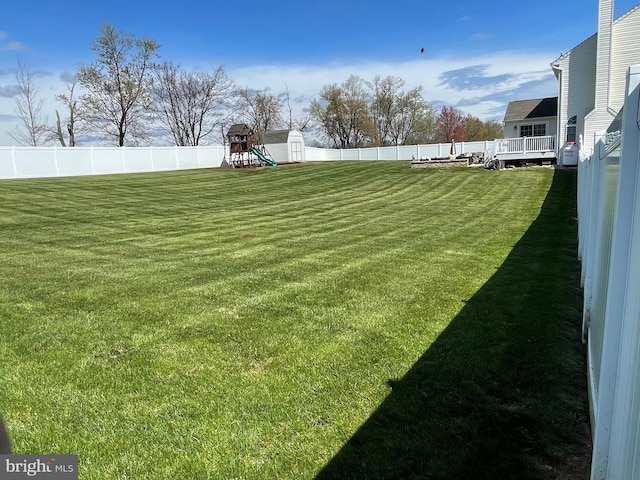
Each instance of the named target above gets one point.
<point>285,146</point>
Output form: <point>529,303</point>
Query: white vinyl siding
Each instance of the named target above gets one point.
<point>515,128</point>
<point>577,86</point>
<point>603,53</point>
<point>290,146</point>
<point>626,52</point>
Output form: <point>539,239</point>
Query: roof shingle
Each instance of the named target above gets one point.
<point>527,109</point>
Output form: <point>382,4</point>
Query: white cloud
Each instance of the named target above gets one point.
<point>14,45</point>
<point>11,44</point>
<point>9,91</point>
<point>504,76</point>
<point>481,36</point>
<point>68,77</point>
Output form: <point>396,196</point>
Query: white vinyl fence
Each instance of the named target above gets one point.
<point>30,162</point>
<point>401,152</point>
<point>609,246</point>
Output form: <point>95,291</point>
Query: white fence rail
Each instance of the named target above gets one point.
<point>29,162</point>
<point>609,246</point>
<point>401,152</point>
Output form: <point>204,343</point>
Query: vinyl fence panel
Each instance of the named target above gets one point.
<point>609,246</point>
<point>31,162</point>
<point>623,368</point>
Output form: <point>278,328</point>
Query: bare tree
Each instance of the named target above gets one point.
<point>118,99</point>
<point>191,106</point>
<point>299,123</point>
<point>262,111</point>
<point>72,109</point>
<point>33,124</point>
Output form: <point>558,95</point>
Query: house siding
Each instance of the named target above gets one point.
<point>593,90</point>
<point>626,52</point>
<point>512,128</point>
<point>577,87</point>
<point>582,83</point>
<point>603,53</point>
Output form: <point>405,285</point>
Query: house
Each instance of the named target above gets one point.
<point>285,146</point>
<point>529,133</point>
<point>531,118</point>
<point>591,78</point>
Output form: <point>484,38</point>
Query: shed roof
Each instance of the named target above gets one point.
<point>276,136</point>
<point>535,108</point>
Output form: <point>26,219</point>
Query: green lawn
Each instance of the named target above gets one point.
<point>343,320</point>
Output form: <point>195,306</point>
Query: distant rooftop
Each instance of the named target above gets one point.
<point>536,108</point>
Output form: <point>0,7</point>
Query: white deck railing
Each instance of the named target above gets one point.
<point>526,144</point>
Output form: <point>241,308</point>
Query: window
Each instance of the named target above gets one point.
<point>571,129</point>
<point>537,130</point>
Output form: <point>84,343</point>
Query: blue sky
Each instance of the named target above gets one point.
<point>477,55</point>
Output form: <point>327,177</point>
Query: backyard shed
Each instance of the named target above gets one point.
<point>285,146</point>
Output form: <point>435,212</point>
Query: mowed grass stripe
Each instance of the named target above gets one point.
<point>234,324</point>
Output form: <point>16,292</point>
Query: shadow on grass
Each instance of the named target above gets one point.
<point>501,393</point>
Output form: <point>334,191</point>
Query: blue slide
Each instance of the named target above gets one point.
<point>259,154</point>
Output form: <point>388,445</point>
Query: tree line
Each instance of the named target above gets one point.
<point>127,96</point>
<point>382,112</point>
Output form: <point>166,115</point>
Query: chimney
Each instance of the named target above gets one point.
<point>603,63</point>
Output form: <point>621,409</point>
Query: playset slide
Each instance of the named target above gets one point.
<point>259,154</point>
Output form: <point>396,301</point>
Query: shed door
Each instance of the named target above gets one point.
<point>296,151</point>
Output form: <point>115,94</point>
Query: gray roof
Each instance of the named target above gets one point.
<point>239,129</point>
<point>275,136</point>
<point>527,109</point>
